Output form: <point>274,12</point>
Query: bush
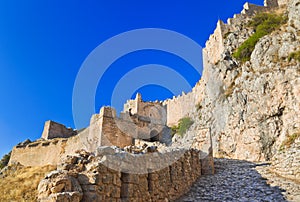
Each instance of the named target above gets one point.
<point>294,55</point>
<point>4,161</point>
<point>263,24</point>
<point>183,125</point>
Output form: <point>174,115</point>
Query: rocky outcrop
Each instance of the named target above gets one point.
<point>252,107</point>
<point>60,186</point>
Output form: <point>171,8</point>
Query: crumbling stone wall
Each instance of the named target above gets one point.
<point>56,130</point>
<point>275,3</point>
<point>93,181</point>
<point>38,153</point>
<point>155,111</point>
<point>105,130</point>
<point>49,152</point>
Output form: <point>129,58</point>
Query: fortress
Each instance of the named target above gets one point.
<point>151,122</point>
<point>140,120</point>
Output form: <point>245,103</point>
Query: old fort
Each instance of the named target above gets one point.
<point>243,109</point>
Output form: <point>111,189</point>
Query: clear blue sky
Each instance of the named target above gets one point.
<point>43,44</point>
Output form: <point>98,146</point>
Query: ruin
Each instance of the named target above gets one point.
<point>140,121</point>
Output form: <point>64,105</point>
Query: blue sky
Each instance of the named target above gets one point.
<point>44,43</point>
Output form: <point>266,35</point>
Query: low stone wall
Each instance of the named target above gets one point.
<point>286,162</point>
<point>93,181</point>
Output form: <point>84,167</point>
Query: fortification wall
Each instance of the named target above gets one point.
<point>275,3</point>
<point>96,181</point>
<point>107,129</point>
<point>56,130</point>
<point>39,153</point>
<point>251,9</point>
<point>215,47</point>
<point>183,105</point>
<point>49,152</point>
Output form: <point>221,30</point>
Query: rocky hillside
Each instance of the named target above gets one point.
<point>251,98</point>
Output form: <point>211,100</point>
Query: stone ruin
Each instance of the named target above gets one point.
<point>125,157</point>
<point>139,123</point>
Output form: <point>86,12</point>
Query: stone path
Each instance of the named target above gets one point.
<point>237,180</point>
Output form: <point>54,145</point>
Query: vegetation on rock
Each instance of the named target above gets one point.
<point>183,125</point>
<point>263,24</point>
<point>4,161</point>
<point>290,140</point>
<point>294,55</point>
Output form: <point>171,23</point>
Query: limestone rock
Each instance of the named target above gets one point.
<point>59,186</point>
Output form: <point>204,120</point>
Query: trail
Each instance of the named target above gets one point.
<point>237,180</point>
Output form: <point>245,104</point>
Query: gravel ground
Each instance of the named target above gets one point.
<point>237,180</point>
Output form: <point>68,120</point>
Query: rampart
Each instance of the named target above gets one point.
<point>183,105</point>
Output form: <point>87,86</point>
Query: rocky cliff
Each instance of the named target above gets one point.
<point>252,107</point>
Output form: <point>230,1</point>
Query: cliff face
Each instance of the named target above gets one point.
<point>252,107</point>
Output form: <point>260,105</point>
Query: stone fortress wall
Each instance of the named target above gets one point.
<point>57,130</point>
<point>183,105</point>
<point>105,129</point>
<point>214,47</point>
<point>139,119</point>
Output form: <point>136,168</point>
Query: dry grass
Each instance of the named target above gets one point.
<point>290,140</point>
<point>20,183</point>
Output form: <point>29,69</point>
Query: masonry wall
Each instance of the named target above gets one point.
<point>96,182</point>
<point>39,153</point>
<point>183,105</point>
<point>275,3</point>
<point>56,130</point>
<point>50,152</point>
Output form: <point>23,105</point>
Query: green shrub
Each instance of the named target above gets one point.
<point>263,24</point>
<point>4,161</point>
<point>183,125</point>
<point>294,55</point>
